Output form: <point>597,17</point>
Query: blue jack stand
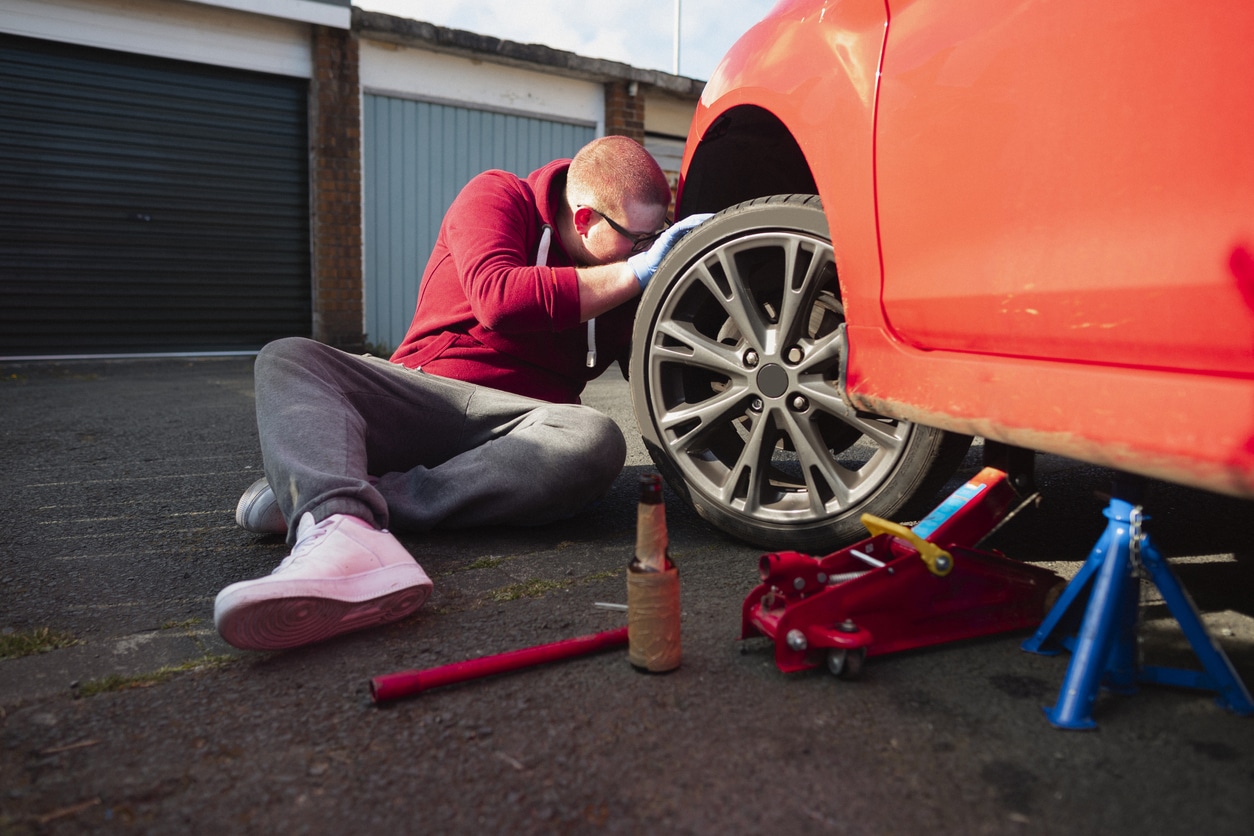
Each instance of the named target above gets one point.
<point>1105,649</point>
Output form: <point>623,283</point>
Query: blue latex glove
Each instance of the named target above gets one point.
<point>645,264</point>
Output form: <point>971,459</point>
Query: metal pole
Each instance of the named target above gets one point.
<point>407,683</point>
<point>675,61</point>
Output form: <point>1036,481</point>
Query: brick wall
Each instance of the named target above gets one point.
<point>624,116</point>
<point>624,111</point>
<point>335,190</point>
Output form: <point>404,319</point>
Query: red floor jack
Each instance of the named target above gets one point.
<point>901,588</point>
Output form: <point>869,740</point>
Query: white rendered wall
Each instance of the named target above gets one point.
<point>187,31</point>
<point>665,114</point>
<point>392,70</point>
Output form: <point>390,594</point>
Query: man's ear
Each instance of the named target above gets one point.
<point>584,219</point>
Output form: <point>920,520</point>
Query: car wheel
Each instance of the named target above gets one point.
<point>735,382</point>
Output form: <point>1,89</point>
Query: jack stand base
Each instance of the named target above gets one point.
<point>1105,649</point>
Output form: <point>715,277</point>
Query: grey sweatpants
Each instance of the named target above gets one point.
<point>445,453</point>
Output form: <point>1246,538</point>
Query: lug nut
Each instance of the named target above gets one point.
<point>756,405</point>
<point>794,355</point>
<point>751,358</point>
<point>800,404</point>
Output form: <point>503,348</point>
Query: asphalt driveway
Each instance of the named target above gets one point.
<point>116,531</point>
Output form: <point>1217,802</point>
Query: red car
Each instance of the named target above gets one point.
<point>1031,222</point>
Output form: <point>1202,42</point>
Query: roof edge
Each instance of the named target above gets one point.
<point>405,32</point>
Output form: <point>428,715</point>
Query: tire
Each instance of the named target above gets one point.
<point>735,383</point>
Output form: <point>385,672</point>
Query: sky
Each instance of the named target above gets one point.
<point>636,32</point>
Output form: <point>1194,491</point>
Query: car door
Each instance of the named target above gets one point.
<point>1069,180</point>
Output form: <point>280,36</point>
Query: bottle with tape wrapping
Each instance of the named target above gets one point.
<point>653,642</point>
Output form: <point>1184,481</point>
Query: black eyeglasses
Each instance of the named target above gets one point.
<point>639,243</point>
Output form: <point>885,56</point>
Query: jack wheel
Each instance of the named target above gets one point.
<point>846,664</point>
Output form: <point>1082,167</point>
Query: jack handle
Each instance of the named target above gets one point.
<point>939,562</point>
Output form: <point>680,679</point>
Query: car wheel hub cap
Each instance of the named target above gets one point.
<point>772,381</point>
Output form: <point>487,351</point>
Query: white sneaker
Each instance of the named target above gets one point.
<point>342,575</point>
<point>258,510</point>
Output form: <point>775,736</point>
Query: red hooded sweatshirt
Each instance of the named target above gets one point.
<point>487,314</point>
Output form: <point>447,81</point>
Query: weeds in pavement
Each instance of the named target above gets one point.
<point>117,682</point>
<point>538,587</point>
<point>29,642</point>
<point>182,625</point>
<point>533,588</point>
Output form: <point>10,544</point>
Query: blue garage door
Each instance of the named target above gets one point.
<point>418,155</point>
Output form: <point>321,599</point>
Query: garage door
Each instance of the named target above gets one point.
<point>418,155</point>
<point>148,205</point>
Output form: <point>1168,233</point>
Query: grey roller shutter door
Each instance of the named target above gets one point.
<point>148,205</point>
<point>418,155</point>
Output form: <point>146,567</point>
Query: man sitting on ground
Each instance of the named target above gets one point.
<point>529,293</point>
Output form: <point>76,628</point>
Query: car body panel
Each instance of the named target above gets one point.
<point>1054,182</point>
<point>1043,217</point>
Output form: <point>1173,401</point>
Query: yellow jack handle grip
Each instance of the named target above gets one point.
<point>939,562</point>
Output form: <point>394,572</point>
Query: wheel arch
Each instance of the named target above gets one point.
<point>791,110</point>
<point>747,152</point>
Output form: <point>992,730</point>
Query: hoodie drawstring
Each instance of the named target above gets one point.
<point>542,260</point>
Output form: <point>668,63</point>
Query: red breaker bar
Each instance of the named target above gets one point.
<point>406,683</point>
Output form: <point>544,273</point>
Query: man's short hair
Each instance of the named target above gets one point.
<point>611,169</point>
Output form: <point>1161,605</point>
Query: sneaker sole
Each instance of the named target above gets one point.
<point>291,619</point>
